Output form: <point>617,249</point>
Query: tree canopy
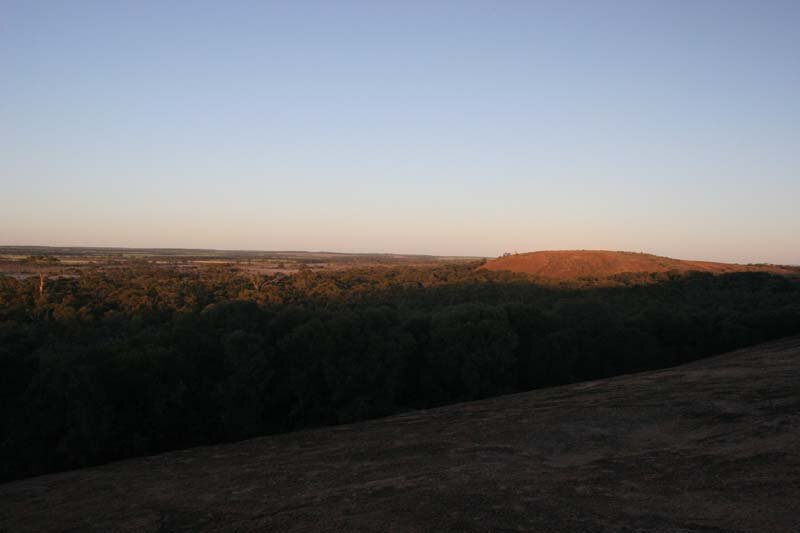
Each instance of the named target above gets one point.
<point>136,360</point>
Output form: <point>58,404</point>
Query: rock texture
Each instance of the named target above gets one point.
<point>710,446</point>
<point>577,264</point>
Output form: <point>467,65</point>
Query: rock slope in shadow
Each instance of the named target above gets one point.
<point>709,446</point>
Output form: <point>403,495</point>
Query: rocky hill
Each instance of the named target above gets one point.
<point>577,264</point>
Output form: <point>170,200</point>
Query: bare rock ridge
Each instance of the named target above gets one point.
<point>709,446</point>
<point>575,264</point>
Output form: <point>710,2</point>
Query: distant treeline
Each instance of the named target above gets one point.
<point>133,361</point>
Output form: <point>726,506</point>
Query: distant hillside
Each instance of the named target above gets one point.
<point>709,446</point>
<point>576,264</point>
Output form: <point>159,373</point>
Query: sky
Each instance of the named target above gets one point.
<point>449,128</point>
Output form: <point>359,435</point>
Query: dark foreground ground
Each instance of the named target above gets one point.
<point>710,446</point>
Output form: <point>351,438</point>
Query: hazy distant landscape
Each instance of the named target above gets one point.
<point>32,260</point>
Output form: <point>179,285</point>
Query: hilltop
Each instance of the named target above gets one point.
<point>706,446</point>
<point>577,264</point>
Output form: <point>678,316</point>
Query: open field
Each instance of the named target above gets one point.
<point>708,446</point>
<point>28,261</point>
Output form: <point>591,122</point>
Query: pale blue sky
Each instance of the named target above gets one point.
<point>434,127</point>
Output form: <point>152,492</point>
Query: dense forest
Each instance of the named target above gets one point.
<point>135,360</point>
